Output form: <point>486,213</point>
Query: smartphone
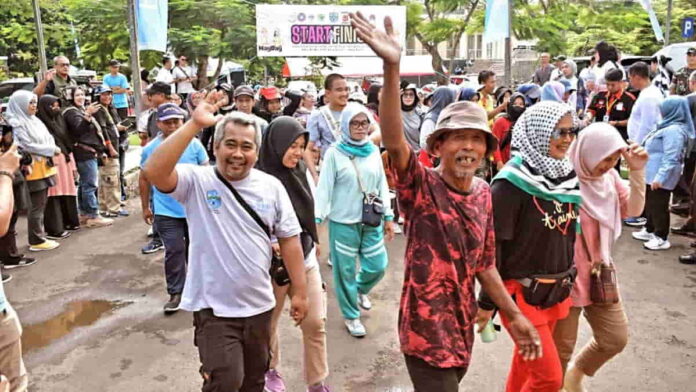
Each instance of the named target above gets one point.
<point>128,122</point>
<point>88,100</point>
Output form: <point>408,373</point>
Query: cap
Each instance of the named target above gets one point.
<point>691,51</point>
<point>243,90</point>
<point>102,89</point>
<point>114,63</point>
<point>559,58</point>
<point>463,115</point>
<point>159,87</point>
<point>168,111</point>
<point>270,93</point>
<point>567,85</point>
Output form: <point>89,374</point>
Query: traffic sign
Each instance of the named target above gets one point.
<point>688,27</point>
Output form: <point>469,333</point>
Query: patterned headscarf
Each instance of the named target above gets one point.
<point>532,135</point>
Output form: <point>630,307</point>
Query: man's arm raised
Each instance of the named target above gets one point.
<point>160,168</point>
<point>385,44</point>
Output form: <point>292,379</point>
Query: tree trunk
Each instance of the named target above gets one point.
<point>442,79</point>
<point>221,61</point>
<point>202,72</point>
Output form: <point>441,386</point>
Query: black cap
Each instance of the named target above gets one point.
<point>691,51</point>
<point>114,63</point>
<point>560,58</point>
<point>159,87</point>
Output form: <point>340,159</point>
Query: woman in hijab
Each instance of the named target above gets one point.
<point>503,126</point>
<point>61,209</point>
<point>33,137</point>
<point>666,146</point>
<point>535,203</point>
<point>469,94</point>
<point>553,91</point>
<point>281,156</point>
<point>351,172</point>
<point>501,93</point>
<point>411,115</point>
<point>606,200</point>
<point>441,97</point>
<point>531,92</point>
<point>90,147</point>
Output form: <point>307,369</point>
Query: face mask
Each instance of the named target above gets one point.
<point>514,112</point>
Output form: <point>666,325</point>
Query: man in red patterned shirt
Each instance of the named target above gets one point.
<point>451,241</point>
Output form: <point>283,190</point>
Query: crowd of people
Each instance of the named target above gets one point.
<point>522,189</point>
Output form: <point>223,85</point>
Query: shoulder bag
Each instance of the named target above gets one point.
<point>278,271</point>
<point>603,284</point>
<point>373,207</point>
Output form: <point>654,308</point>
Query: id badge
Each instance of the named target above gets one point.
<point>606,118</point>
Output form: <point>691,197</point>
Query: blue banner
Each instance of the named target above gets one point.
<point>152,24</point>
<point>497,19</point>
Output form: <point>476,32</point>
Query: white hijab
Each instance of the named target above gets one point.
<point>30,132</point>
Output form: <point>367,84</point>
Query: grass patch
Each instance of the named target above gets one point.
<point>134,139</point>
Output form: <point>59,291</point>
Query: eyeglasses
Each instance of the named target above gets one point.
<point>561,133</point>
<point>359,124</point>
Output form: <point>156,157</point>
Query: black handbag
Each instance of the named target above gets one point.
<point>278,271</point>
<point>373,206</point>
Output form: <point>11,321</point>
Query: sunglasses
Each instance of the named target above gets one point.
<point>561,133</point>
<point>360,124</point>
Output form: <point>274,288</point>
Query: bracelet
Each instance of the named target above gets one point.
<point>8,174</point>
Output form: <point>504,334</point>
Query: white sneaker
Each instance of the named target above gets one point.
<point>355,328</point>
<point>364,301</point>
<point>397,229</point>
<point>657,243</point>
<point>643,235</point>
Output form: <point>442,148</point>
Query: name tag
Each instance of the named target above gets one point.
<point>606,118</point>
<point>619,106</point>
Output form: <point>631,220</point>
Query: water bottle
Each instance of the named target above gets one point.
<point>488,334</point>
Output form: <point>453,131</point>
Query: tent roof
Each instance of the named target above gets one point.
<point>359,66</point>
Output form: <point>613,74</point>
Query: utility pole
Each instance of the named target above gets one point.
<point>134,56</point>
<point>668,21</point>
<point>508,48</point>
<point>40,39</point>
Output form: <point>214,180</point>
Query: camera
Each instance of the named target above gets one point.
<point>6,142</point>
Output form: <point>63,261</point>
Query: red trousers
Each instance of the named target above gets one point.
<point>543,374</point>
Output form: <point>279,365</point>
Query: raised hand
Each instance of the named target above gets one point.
<point>635,156</point>
<point>385,44</point>
<point>204,115</point>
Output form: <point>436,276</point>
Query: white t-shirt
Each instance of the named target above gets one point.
<point>645,114</point>
<point>185,73</point>
<point>230,254</point>
<point>165,75</point>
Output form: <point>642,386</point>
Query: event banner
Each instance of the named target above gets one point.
<point>319,30</point>
<point>152,24</point>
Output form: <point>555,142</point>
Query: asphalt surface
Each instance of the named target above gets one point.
<point>92,313</point>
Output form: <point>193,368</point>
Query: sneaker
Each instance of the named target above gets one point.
<point>173,305</point>
<point>657,243</point>
<point>72,228</point>
<point>109,214</point>
<point>318,388</point>
<point>355,328</point>
<point>642,235</point>
<point>152,247</point>
<point>274,382</point>
<point>686,230</point>
<point>635,221</point>
<point>60,236</point>
<point>99,222</point>
<point>46,245</point>
<point>397,229</point>
<point>6,278</point>
<point>364,301</point>
<point>123,212</point>
<point>18,262</point>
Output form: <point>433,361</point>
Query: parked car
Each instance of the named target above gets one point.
<point>8,87</point>
<point>678,54</point>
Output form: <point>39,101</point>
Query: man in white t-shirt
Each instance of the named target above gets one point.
<point>646,111</point>
<point>165,73</point>
<point>228,284</point>
<point>183,76</point>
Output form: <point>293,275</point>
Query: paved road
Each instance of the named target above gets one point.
<point>93,322</point>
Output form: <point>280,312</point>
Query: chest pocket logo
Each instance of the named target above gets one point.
<point>212,197</point>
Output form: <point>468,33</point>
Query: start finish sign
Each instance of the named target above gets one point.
<point>319,30</point>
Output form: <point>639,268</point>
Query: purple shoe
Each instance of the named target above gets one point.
<point>319,388</point>
<point>274,382</point>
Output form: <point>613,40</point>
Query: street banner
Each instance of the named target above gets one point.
<point>657,29</point>
<point>496,23</point>
<point>319,30</point>
<point>152,24</point>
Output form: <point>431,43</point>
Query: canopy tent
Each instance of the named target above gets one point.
<point>298,67</point>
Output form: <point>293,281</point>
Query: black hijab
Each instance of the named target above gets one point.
<point>280,135</point>
<point>55,123</point>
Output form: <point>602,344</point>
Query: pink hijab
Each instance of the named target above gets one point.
<point>599,197</point>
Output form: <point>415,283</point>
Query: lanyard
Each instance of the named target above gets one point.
<point>610,104</point>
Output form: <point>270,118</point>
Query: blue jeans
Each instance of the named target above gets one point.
<point>174,234</point>
<point>87,187</point>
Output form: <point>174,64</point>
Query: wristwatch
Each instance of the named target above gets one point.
<point>8,174</point>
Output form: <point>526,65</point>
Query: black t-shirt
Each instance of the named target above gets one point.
<point>620,108</point>
<point>533,236</point>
